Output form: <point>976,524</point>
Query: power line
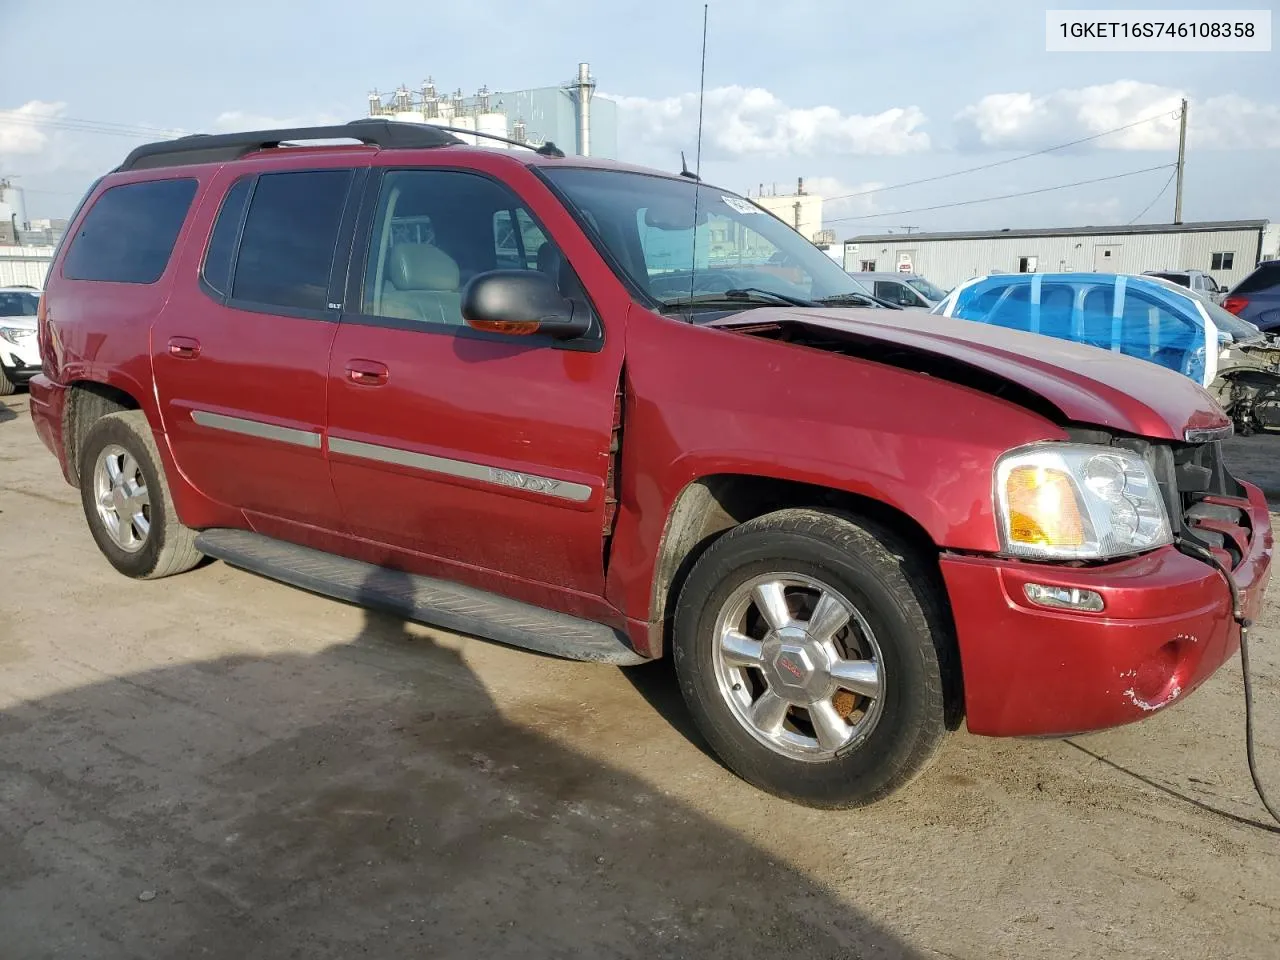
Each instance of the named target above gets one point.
<point>1157,196</point>
<point>1000,163</point>
<point>1006,196</point>
<point>58,193</point>
<point>74,124</point>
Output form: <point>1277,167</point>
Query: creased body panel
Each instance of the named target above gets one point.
<point>703,401</point>
<point>1087,384</point>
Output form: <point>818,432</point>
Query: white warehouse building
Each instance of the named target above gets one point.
<point>24,266</point>
<point>1226,249</point>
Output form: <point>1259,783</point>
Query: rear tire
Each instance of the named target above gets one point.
<point>856,670</point>
<point>127,501</point>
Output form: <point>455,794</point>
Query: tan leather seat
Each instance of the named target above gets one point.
<point>421,284</point>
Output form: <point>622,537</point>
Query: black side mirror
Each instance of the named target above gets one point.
<point>520,303</point>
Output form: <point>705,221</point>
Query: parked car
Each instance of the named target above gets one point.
<point>1148,317</point>
<point>907,290</point>
<point>789,276</point>
<point>1256,298</point>
<point>851,529</point>
<point>1196,281</point>
<point>19,353</point>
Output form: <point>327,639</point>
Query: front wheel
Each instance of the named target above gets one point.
<point>811,651</point>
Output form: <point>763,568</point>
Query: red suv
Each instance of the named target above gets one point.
<point>568,405</point>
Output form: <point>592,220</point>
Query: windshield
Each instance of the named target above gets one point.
<point>1229,322</point>
<point>926,289</point>
<point>13,304</point>
<point>1222,318</point>
<point>646,223</point>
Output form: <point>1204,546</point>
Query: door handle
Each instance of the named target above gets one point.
<point>184,348</point>
<point>367,373</point>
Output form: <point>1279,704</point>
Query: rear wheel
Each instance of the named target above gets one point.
<point>127,502</point>
<point>810,649</point>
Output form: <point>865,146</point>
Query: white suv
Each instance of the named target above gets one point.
<point>1196,281</point>
<point>19,351</point>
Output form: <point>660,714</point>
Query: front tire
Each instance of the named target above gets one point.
<point>811,650</point>
<point>127,501</point>
<point>7,386</point>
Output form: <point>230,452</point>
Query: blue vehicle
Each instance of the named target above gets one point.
<point>1140,316</point>
<point>1256,298</point>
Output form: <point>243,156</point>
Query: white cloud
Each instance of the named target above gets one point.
<point>1105,211</point>
<point>842,199</point>
<point>1023,121</point>
<point>751,121</point>
<point>21,130</point>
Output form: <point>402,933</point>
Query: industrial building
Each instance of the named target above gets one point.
<point>24,266</point>
<point>570,115</point>
<point>801,210</point>
<point>1226,249</point>
<point>26,246</point>
<point>13,212</point>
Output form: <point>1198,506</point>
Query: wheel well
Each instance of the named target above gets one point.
<point>710,506</point>
<point>88,402</point>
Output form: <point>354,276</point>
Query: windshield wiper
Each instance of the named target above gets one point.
<point>856,299</point>
<point>741,296</point>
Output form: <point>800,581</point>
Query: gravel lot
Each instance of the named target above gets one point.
<point>219,766</point>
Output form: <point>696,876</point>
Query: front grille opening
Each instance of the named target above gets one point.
<point>1199,471</point>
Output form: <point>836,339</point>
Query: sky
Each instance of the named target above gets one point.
<point>856,99</point>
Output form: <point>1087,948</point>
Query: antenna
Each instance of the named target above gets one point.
<point>684,168</point>
<point>702,86</point>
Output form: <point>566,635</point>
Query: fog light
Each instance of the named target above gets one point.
<point>1064,598</point>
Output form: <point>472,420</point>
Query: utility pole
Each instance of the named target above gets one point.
<point>1182,159</point>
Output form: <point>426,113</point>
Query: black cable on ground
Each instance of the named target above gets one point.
<point>1248,724</point>
<point>1193,549</point>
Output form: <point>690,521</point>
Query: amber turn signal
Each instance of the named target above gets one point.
<point>517,328</point>
<point>1043,508</point>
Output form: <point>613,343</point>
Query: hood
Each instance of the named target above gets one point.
<point>20,323</point>
<point>1085,384</point>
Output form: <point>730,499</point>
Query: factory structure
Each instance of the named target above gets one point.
<point>26,245</point>
<point>1227,250</point>
<point>802,211</point>
<point>570,115</point>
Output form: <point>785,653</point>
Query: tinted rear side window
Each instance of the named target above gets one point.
<point>1265,277</point>
<point>222,243</point>
<point>128,235</point>
<point>286,251</point>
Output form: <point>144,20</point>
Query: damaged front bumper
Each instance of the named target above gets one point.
<point>1165,628</point>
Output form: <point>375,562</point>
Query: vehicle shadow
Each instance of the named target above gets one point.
<point>369,799</point>
<point>7,413</point>
<point>657,683</point>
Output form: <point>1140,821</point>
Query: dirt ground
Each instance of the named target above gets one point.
<point>216,765</point>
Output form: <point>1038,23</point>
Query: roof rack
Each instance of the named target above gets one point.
<point>215,148</point>
<point>389,134</point>
<point>546,149</point>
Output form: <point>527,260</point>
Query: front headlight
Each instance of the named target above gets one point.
<point>1079,502</point>
<point>11,333</point>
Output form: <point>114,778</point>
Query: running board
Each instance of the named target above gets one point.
<point>437,603</point>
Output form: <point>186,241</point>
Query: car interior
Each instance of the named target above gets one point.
<point>436,230</point>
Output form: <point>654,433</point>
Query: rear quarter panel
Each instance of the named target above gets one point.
<point>100,331</point>
<point>704,401</point>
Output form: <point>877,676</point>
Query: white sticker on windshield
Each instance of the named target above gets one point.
<point>742,206</point>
